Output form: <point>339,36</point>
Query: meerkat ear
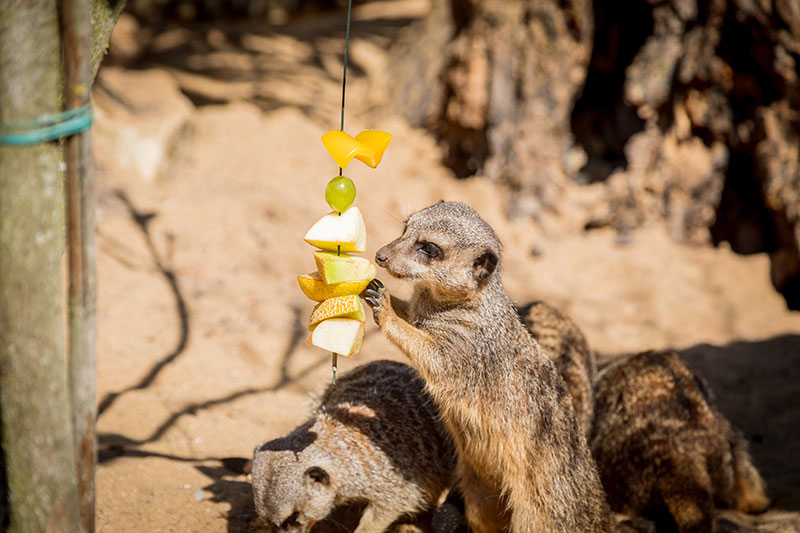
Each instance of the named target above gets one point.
<point>484,265</point>
<point>319,475</point>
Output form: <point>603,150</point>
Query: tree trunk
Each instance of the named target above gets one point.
<point>80,203</point>
<point>623,113</point>
<point>37,434</point>
<point>510,75</point>
<point>38,477</point>
<point>104,16</point>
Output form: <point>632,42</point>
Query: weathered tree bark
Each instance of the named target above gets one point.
<point>510,75</point>
<point>3,484</point>
<point>38,482</point>
<point>420,59</point>
<point>37,434</point>
<point>104,16</point>
<point>621,114</point>
<point>714,84</point>
<point>80,202</point>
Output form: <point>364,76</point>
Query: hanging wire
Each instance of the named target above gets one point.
<point>344,69</point>
<point>334,355</point>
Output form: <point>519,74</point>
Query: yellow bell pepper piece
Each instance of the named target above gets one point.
<point>368,146</point>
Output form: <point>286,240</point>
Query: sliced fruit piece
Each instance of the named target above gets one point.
<point>345,230</point>
<point>368,146</point>
<point>340,193</point>
<point>338,268</point>
<point>337,307</point>
<point>377,141</point>
<point>315,288</point>
<point>339,335</point>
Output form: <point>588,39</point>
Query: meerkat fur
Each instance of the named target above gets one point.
<point>523,463</point>
<point>564,342</point>
<point>374,437</point>
<point>661,445</point>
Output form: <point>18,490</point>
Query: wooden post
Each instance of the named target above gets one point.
<point>80,201</point>
<point>37,435</point>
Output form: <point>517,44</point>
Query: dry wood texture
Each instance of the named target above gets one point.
<point>679,110</point>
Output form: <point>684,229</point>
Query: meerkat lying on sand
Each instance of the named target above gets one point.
<point>374,437</point>
<point>523,461</point>
<point>663,449</point>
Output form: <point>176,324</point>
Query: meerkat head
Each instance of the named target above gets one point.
<point>447,248</point>
<point>291,491</point>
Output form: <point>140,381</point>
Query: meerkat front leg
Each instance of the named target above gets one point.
<point>418,345</point>
<point>400,307</point>
<point>376,519</point>
<point>484,506</point>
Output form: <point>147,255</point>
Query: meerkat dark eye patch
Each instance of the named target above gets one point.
<point>430,250</point>
<point>484,265</point>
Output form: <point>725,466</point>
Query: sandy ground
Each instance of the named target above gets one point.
<point>201,349</point>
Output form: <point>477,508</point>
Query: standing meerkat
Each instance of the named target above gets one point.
<point>523,462</point>
<point>374,437</point>
<point>564,342</point>
<point>661,445</point>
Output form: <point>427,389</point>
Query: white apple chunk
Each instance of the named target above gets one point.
<point>338,335</point>
<point>345,232</point>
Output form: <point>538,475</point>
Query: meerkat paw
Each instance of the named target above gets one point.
<point>377,296</point>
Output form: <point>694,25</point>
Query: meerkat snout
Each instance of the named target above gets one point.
<point>382,257</point>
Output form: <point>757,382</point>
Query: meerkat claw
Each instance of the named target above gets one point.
<point>373,295</point>
<point>376,307</point>
<point>375,284</point>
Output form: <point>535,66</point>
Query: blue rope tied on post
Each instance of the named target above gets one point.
<point>47,128</point>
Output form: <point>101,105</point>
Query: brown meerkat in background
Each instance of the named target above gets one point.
<point>563,341</point>
<point>374,437</point>
<point>664,450</point>
<point>523,462</point>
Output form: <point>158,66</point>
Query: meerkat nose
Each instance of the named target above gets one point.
<point>382,258</point>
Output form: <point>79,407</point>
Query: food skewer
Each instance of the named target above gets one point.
<point>337,321</point>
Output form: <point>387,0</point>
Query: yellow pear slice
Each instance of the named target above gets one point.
<point>368,146</point>
<point>375,143</point>
<point>337,307</point>
<point>339,335</point>
<point>316,289</point>
<point>338,268</point>
<point>345,231</point>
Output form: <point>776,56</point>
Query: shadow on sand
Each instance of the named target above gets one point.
<point>219,61</point>
<point>142,220</point>
<point>757,386</point>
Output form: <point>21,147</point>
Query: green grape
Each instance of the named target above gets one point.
<point>340,193</point>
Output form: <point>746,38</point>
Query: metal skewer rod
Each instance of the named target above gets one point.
<point>334,355</point>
